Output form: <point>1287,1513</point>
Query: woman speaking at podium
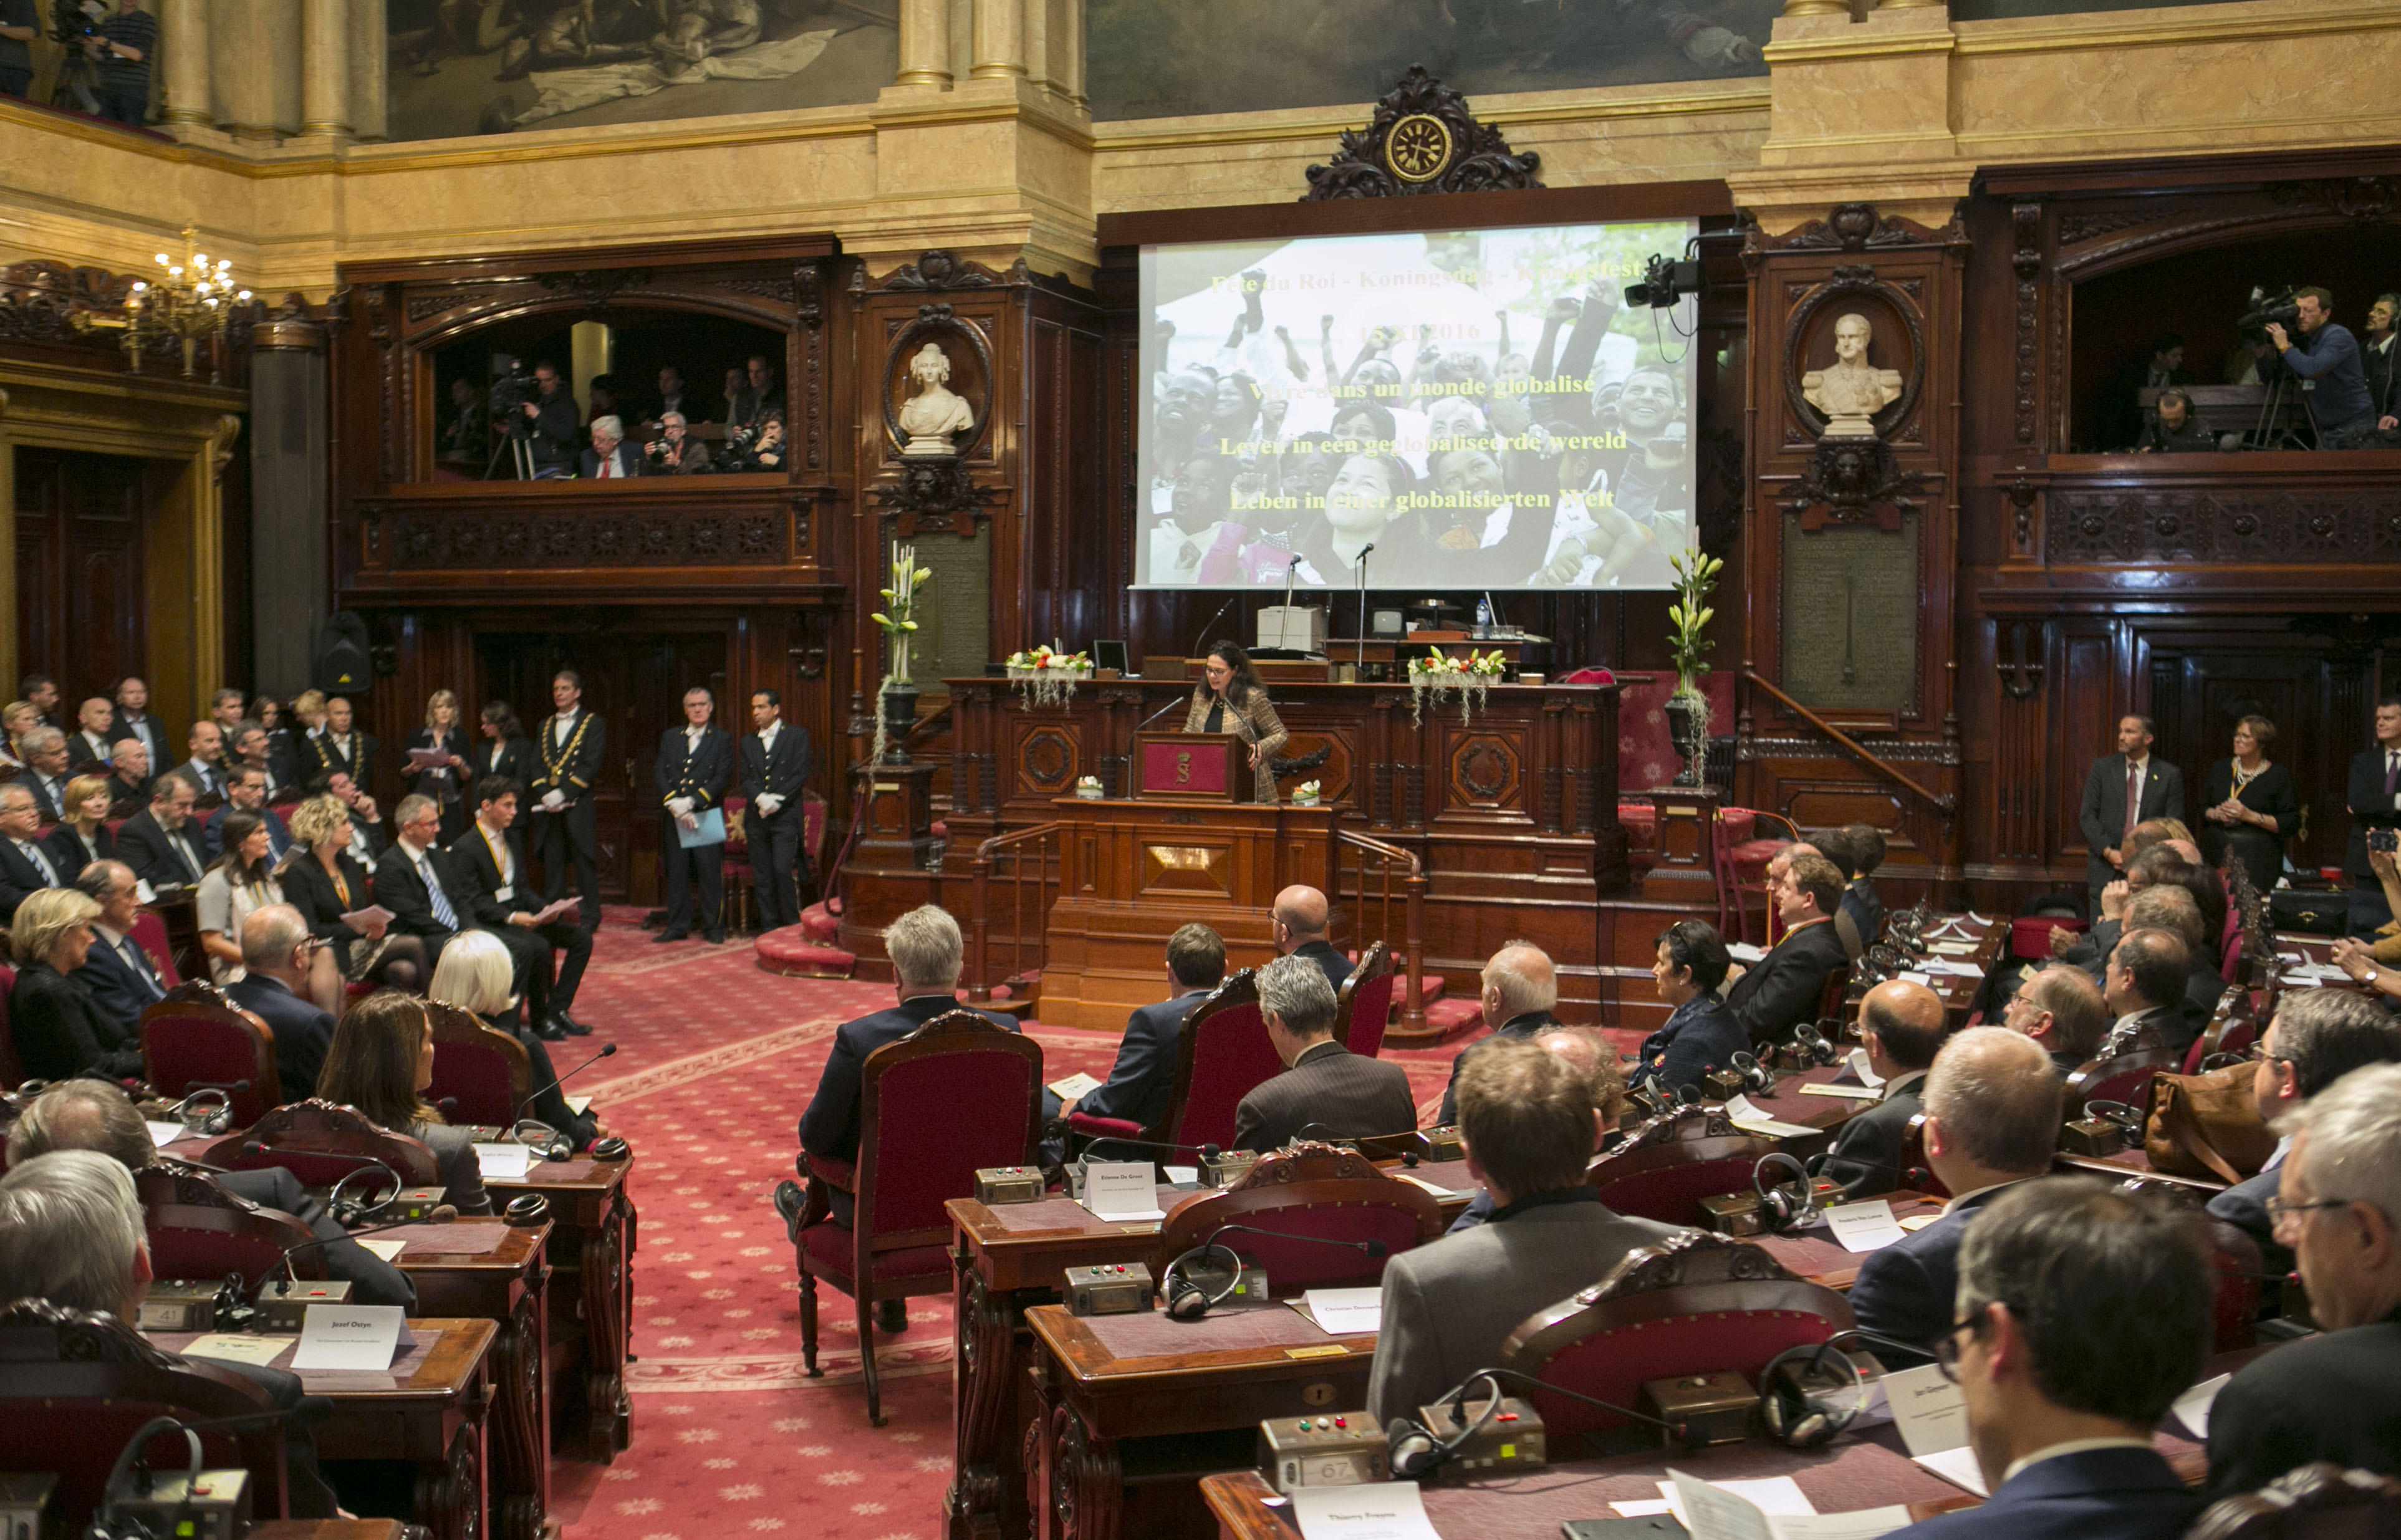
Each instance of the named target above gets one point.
<point>1229,698</point>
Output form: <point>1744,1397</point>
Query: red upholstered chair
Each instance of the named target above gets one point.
<point>1308,1189</point>
<point>736,854</point>
<point>486,1069</point>
<point>1917,1171</point>
<point>956,1094</point>
<point>195,1037</point>
<point>2126,1078</point>
<point>1740,857</point>
<point>198,1230</point>
<point>1694,1303</point>
<point>1668,1164</point>
<point>150,932</point>
<point>1222,1057</point>
<point>308,1139</point>
<point>74,1388</point>
<point>1365,1003</point>
<point>814,814</point>
<point>2319,1501</point>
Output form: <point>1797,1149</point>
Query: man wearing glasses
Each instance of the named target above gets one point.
<point>2318,1036</point>
<point>2061,1008</point>
<point>2336,1396</point>
<point>2083,1313</point>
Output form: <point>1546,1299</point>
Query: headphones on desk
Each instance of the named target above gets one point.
<point>1803,1405</point>
<point>543,1139</point>
<point>1755,1076</point>
<point>350,1212</point>
<point>1817,1044</point>
<point>205,1119</point>
<point>1188,1300</point>
<point>1784,1206</point>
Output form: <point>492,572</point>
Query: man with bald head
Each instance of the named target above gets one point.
<point>1520,988</point>
<point>128,778</point>
<point>1992,1120</point>
<point>1904,1026</point>
<point>1300,919</point>
<point>2060,1008</point>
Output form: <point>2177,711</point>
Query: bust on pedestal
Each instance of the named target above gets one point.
<point>1852,389</point>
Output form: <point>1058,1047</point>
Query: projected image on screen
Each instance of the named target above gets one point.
<point>1481,407</point>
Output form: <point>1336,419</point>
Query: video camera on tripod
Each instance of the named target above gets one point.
<point>2273,432</point>
<point>512,388</point>
<point>2282,310</point>
<point>72,21</point>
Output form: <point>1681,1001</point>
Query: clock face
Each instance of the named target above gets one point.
<point>1418,148</point>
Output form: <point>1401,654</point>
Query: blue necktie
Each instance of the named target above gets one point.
<point>443,915</point>
<point>136,960</point>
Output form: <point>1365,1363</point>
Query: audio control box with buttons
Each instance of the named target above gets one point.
<point>213,1505</point>
<point>1226,1168</point>
<point>1346,1450</point>
<point>412,1204</point>
<point>1120,1289</point>
<point>1711,1409</point>
<point>284,1307</point>
<point>26,1511</point>
<point>1442,1143</point>
<point>996,1185</point>
<point>180,1305</point>
<point>1510,1440</point>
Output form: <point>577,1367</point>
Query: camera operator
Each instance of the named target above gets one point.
<point>19,24</point>
<point>2173,429</point>
<point>551,423</point>
<point>677,453</point>
<point>2330,367</point>
<point>128,37</point>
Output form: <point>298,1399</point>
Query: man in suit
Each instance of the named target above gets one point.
<point>41,693</point>
<point>693,765</point>
<point>610,458</point>
<point>672,398</point>
<point>569,748</point>
<point>1782,989</point>
<point>2374,798</point>
<point>132,718</point>
<point>2379,352</point>
<point>2148,864</point>
<point>206,765</point>
<point>92,740</point>
<point>161,842</point>
<point>275,948</point>
<point>2316,1037</point>
<point>97,1116</point>
<point>2145,990</point>
<point>254,749</point>
<point>2083,1313</point>
<point>341,749</point>
<point>1700,1033</point>
<point>72,1232</point>
<point>246,792</point>
<point>1521,989</point>
<point>550,424</point>
<point>25,867</point>
<point>226,711</point>
<point>120,977</point>
<point>488,864</point>
<point>2061,1008</point>
<point>775,766</point>
<point>45,770</point>
<point>1298,927</point>
<point>2336,1396</point>
<point>2120,791</point>
<point>2170,907</point>
<point>1904,1026</point>
<point>129,780</point>
<point>1526,1121</point>
<point>1143,1079</point>
<point>415,881</point>
<point>1992,1118</point>
<point>1859,851</point>
<point>1326,1091</point>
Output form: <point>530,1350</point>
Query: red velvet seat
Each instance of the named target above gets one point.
<point>198,1230</point>
<point>1309,1189</point>
<point>2030,935</point>
<point>197,1036</point>
<point>1693,1305</point>
<point>1741,864</point>
<point>2126,1078</point>
<point>796,954</point>
<point>1366,1004</point>
<point>956,1094</point>
<point>150,932</point>
<point>308,1139</point>
<point>1668,1164</point>
<point>486,1069</point>
<point>1222,1055</point>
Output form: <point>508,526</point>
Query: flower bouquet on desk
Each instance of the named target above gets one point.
<point>1468,678</point>
<point>1047,677</point>
<point>1306,794</point>
<point>1089,788</point>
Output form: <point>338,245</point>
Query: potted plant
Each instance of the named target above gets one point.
<point>1307,795</point>
<point>897,693</point>
<point>1688,617</point>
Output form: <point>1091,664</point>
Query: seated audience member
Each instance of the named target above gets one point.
<point>72,1232</point>
<point>275,949</point>
<point>1862,909</point>
<point>2060,1008</point>
<point>2171,428</point>
<point>241,883</point>
<point>1700,1034</point>
<point>672,398</point>
<point>2145,990</point>
<point>1298,928</point>
<point>381,1062</point>
<point>489,862</point>
<point>129,779</point>
<point>1782,989</point>
<point>1903,1026</point>
<point>17,719</point>
<point>1143,1076</point>
<point>676,452</point>
<point>2316,1037</point>
<point>81,836</point>
<point>1526,1121</point>
<point>97,1116</point>
<point>1521,987</point>
<point>415,879</point>
<point>60,1031</point>
<point>120,977</point>
<point>1992,1118</point>
<point>253,747</point>
<point>2171,908</point>
<point>246,792</point>
<point>26,865</point>
<point>610,458</point>
<point>2083,1314</point>
<point>1593,1058</point>
<point>45,771</point>
<point>92,743</point>
<point>1326,1091</point>
<point>162,842</point>
<point>2149,861</point>
<point>2336,1396</point>
<point>325,882</point>
<point>474,974</point>
<point>206,764</point>
<point>2121,414</point>
<point>367,819</point>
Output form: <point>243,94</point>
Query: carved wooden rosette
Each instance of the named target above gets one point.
<point>1422,139</point>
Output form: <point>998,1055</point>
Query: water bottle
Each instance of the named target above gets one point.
<point>1484,617</point>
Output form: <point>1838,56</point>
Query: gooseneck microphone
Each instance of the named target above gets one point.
<point>606,1050</point>
<point>441,1213</point>
<point>1207,1152</point>
<point>1204,633</point>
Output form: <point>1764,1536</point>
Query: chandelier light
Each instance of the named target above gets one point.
<point>187,301</point>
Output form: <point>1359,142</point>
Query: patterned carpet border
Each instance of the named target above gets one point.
<point>785,1372</point>
<point>699,1067</point>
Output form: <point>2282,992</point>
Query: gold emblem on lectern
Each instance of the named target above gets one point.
<point>1183,769</point>
<point>1418,148</point>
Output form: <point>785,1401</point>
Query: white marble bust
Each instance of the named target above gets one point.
<point>930,416</point>
<point>1852,390</point>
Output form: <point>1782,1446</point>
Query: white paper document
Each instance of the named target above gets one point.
<point>385,1247</point>
<point>1958,1466</point>
<point>359,1338</point>
<point>1121,1189</point>
<point>374,914</point>
<point>2191,1409</point>
<point>1772,1509</point>
<point>1916,976</point>
<point>1075,1086</point>
<point>1382,1510</point>
<point>1951,966</point>
<point>1849,1092</point>
<point>1744,953</point>
<point>235,1348</point>
<point>1751,1120</point>
<point>1933,1421</point>
<point>1181,1175</point>
<point>503,1163</point>
<point>1865,1226</point>
<point>1337,1311</point>
<point>1868,1077</point>
<point>163,1134</point>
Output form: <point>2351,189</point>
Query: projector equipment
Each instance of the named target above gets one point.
<point>1664,280</point>
<point>26,1513</point>
<point>285,1312</point>
<point>1346,1450</point>
<point>1292,628</point>
<point>1007,1184</point>
<point>1121,1289</point>
<point>1710,1409</point>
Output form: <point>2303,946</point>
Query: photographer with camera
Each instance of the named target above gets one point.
<point>121,47</point>
<point>549,422</point>
<point>677,453</point>
<point>2171,429</point>
<point>2327,360</point>
<point>19,26</point>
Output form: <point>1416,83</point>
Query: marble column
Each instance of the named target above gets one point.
<point>925,42</point>
<point>1067,45</point>
<point>999,39</point>
<point>325,68</point>
<point>183,37</point>
<point>370,47</point>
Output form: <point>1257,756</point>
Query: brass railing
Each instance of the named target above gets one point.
<point>1944,801</point>
<point>1030,860</point>
<point>1366,871</point>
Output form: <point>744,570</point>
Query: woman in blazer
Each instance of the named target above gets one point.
<point>2249,806</point>
<point>81,836</point>
<point>1229,698</point>
<point>444,782</point>
<point>59,1030</point>
<point>504,751</point>
<point>322,879</point>
<point>382,1062</point>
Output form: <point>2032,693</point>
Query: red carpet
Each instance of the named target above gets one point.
<point>716,1060</point>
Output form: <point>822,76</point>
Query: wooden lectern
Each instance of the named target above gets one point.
<point>1191,767</point>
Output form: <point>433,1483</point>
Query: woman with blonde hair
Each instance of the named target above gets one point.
<point>443,782</point>
<point>81,836</point>
<point>476,973</point>
<point>17,719</point>
<point>60,1031</point>
<point>381,1062</point>
<point>322,880</point>
<point>237,883</point>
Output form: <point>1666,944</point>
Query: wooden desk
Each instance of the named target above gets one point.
<point>2133,1162</point>
<point>1817,1255</point>
<point>593,1234</point>
<point>429,1410</point>
<point>500,1271</point>
<point>329,1529</point>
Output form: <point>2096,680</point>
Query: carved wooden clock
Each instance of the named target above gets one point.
<point>1418,148</point>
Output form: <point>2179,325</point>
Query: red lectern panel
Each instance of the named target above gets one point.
<point>1191,766</point>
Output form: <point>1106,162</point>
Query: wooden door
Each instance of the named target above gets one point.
<point>2316,702</point>
<point>82,614</point>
